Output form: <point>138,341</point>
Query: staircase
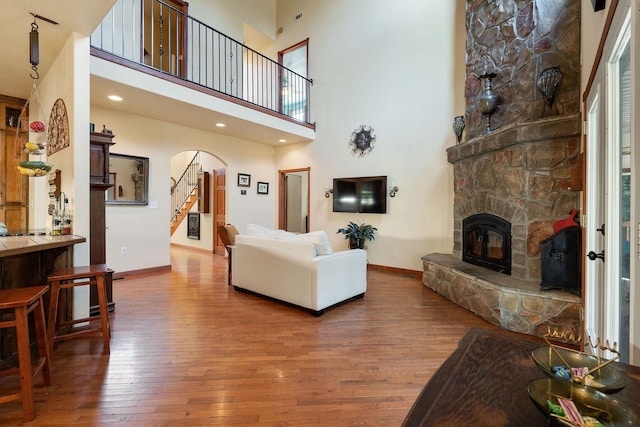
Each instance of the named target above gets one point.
<point>184,210</point>
<point>184,194</point>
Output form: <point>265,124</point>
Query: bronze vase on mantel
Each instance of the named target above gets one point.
<point>488,102</point>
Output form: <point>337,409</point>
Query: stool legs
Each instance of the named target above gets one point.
<point>25,301</point>
<point>53,324</point>
<point>104,315</point>
<point>55,320</point>
<point>24,362</point>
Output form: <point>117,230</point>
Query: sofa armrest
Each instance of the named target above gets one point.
<point>338,277</point>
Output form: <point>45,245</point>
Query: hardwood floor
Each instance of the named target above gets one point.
<point>188,350</point>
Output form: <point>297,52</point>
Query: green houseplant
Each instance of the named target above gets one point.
<point>358,234</point>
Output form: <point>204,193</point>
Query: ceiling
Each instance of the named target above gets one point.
<point>15,24</point>
<point>83,17</point>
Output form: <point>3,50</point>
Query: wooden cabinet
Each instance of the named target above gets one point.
<point>99,182</point>
<point>14,187</point>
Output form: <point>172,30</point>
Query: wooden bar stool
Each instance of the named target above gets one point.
<point>24,301</point>
<point>70,277</point>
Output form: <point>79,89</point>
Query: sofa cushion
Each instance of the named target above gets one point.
<point>260,231</point>
<point>319,239</point>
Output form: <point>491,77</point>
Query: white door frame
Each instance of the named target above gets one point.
<point>601,129</point>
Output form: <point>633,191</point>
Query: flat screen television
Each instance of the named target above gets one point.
<point>360,195</point>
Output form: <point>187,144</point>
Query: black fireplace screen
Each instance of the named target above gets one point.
<point>486,241</point>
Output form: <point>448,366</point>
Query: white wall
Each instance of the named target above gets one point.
<point>144,231</point>
<point>68,78</point>
<point>397,68</point>
<point>228,17</point>
<point>590,39</point>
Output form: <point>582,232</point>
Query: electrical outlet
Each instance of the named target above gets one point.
<point>123,250</point>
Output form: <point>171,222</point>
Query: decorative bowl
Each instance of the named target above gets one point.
<point>607,378</point>
<point>589,402</point>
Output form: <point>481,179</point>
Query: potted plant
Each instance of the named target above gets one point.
<point>358,234</point>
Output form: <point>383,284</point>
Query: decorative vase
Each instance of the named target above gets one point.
<point>548,84</point>
<point>356,243</point>
<point>458,127</point>
<point>488,101</point>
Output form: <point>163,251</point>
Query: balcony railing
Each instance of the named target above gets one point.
<point>162,37</point>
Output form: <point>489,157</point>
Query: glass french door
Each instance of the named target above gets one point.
<point>610,194</point>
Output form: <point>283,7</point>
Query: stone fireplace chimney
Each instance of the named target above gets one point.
<point>521,171</point>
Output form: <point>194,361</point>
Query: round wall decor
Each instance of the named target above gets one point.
<point>58,136</point>
<point>362,140</point>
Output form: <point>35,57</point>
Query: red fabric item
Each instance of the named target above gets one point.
<point>564,223</point>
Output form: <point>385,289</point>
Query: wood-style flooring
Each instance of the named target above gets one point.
<point>188,350</point>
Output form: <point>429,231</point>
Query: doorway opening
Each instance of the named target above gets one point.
<point>293,212</point>
<point>205,200</point>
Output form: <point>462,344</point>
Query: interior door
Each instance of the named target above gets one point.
<point>164,35</point>
<point>609,192</point>
<point>219,207</point>
<point>293,203</point>
<point>294,207</point>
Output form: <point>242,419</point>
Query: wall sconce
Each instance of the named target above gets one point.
<point>393,190</point>
<point>327,192</point>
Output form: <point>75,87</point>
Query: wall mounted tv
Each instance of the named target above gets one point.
<point>360,195</point>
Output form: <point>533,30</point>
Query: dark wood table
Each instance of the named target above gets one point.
<point>484,383</point>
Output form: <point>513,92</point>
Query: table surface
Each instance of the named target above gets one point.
<point>17,245</point>
<point>484,383</point>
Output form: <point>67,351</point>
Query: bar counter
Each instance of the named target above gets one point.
<point>18,245</point>
<point>27,261</point>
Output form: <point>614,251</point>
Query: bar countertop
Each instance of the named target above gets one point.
<point>17,245</point>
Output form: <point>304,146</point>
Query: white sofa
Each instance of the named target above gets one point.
<point>299,269</point>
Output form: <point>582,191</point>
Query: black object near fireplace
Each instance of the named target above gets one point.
<point>486,241</point>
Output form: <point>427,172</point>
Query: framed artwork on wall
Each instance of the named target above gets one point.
<point>193,225</point>
<point>263,187</point>
<point>244,180</point>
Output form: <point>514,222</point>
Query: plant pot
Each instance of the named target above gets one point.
<point>355,243</point>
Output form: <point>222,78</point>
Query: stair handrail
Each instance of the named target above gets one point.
<point>184,187</point>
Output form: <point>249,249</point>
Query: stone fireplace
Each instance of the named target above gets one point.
<point>521,175</point>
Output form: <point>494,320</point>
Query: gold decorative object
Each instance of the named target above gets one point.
<point>585,369</point>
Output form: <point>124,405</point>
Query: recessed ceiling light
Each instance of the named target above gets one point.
<point>282,140</point>
<point>115,98</point>
<point>220,125</point>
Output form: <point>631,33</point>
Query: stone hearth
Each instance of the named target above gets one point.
<point>502,300</point>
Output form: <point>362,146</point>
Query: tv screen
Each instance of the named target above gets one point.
<point>360,195</point>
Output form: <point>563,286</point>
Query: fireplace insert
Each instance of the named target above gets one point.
<point>486,241</point>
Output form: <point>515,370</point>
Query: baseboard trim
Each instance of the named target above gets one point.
<point>153,270</point>
<point>191,248</point>
<point>400,271</point>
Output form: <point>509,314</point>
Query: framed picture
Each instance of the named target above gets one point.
<point>263,187</point>
<point>193,225</point>
<point>244,180</point>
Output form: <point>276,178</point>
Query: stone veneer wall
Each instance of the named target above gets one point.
<point>521,173</point>
<point>518,39</point>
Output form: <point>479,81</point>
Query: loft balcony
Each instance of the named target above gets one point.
<point>173,67</point>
